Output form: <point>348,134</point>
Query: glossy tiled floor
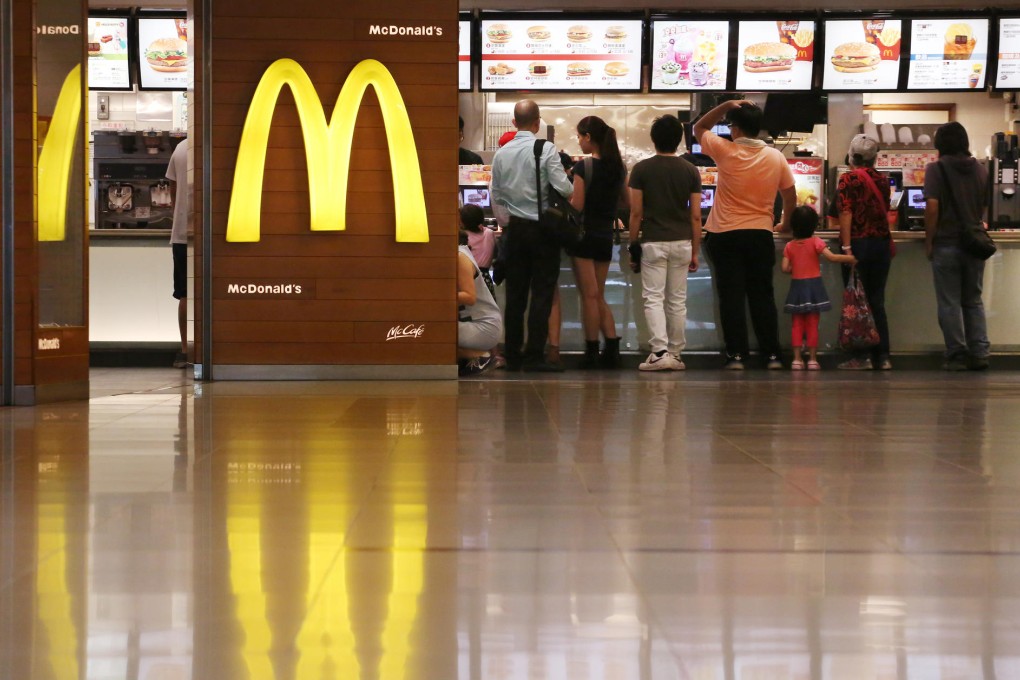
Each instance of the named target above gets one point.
<point>703,526</point>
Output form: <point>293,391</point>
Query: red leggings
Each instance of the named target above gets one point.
<point>806,326</point>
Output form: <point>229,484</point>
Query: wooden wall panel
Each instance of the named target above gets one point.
<point>365,283</point>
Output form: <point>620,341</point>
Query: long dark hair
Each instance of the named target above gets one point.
<point>609,149</point>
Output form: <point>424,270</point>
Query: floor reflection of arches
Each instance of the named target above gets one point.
<point>338,636</point>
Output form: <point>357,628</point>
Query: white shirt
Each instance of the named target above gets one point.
<point>177,172</point>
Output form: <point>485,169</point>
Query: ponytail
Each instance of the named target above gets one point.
<point>609,149</point>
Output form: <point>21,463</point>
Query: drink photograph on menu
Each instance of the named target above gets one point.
<point>862,54</point>
<point>775,55</point>
<point>557,54</point>
<point>689,55</point>
<point>1008,75</point>
<point>109,68</point>
<point>163,53</point>
<point>948,54</point>
<point>464,59</point>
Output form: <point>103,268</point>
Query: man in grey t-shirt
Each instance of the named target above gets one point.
<point>665,200</point>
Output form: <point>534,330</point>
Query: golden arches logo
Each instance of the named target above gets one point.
<point>328,151</point>
<point>54,169</point>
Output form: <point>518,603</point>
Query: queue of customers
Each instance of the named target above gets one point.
<point>662,196</point>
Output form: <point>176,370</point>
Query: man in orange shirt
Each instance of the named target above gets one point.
<point>740,228</point>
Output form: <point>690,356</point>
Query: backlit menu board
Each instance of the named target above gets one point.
<point>464,60</point>
<point>689,55</point>
<point>109,68</point>
<point>775,55</point>
<point>948,54</point>
<point>1008,76</point>
<point>163,53</point>
<point>575,54</point>
<point>862,54</point>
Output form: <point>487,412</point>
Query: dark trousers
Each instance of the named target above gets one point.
<point>873,260</point>
<point>742,263</point>
<point>532,267</point>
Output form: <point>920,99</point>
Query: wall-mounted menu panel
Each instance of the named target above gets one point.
<point>862,55</point>
<point>1008,72</point>
<point>775,55</point>
<point>464,57</point>
<point>561,54</point>
<point>163,62</point>
<point>948,54</point>
<point>689,55</point>
<point>108,65</point>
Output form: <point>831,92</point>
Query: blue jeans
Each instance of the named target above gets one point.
<point>958,277</point>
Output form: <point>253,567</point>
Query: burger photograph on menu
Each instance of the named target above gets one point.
<point>539,33</point>
<point>499,33</point>
<point>769,56</point>
<point>578,69</point>
<point>616,34</point>
<point>856,57</point>
<point>167,55</point>
<point>617,68</point>
<point>578,34</point>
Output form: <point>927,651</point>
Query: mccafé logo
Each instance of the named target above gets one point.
<point>328,151</point>
<point>408,331</point>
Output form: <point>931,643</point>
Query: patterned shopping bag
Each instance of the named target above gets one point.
<point>856,325</point>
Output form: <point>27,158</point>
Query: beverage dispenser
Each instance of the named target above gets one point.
<point>1004,208</point>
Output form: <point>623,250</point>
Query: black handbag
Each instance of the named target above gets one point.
<point>974,237</point>
<point>560,217</point>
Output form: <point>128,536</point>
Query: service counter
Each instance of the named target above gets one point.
<point>910,300</point>
<point>130,289</point>
<point>131,305</point>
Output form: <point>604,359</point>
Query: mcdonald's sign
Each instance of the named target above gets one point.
<point>328,151</point>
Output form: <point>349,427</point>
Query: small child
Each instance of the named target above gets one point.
<point>807,298</point>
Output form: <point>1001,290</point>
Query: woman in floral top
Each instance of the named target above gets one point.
<point>863,202</point>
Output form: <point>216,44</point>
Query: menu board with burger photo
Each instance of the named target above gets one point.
<point>862,54</point>
<point>1008,76</point>
<point>522,54</point>
<point>948,54</point>
<point>689,55</point>
<point>163,53</point>
<point>775,55</point>
<point>464,59</point>
<point>109,68</point>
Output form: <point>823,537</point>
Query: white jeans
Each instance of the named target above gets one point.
<point>664,283</point>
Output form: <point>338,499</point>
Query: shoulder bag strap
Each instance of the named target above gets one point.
<point>539,144</point>
<point>950,193</point>
<point>866,178</point>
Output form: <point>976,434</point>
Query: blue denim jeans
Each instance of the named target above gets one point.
<point>958,278</point>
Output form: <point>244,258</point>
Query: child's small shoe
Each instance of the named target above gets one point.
<point>797,365</point>
<point>814,366</point>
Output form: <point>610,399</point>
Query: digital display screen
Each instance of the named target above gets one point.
<point>108,65</point>
<point>475,196</point>
<point>862,54</point>
<point>561,54</point>
<point>163,62</point>
<point>915,199</point>
<point>689,55</point>
<point>948,54</point>
<point>1008,75</point>
<point>464,59</point>
<point>775,55</point>
<point>707,198</point>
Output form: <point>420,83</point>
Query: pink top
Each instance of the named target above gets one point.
<point>803,255</point>
<point>482,246</point>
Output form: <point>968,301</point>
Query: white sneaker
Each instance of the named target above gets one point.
<point>660,362</point>
<point>679,365</point>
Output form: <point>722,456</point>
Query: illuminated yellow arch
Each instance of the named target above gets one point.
<point>54,171</point>
<point>328,151</point>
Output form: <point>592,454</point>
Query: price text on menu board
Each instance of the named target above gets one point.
<point>948,54</point>
<point>775,55</point>
<point>1009,54</point>
<point>561,55</point>
<point>464,60</point>
<point>862,54</point>
<point>163,53</point>
<point>108,53</point>
<point>689,55</point>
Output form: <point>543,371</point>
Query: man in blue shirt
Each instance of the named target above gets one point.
<point>533,255</point>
